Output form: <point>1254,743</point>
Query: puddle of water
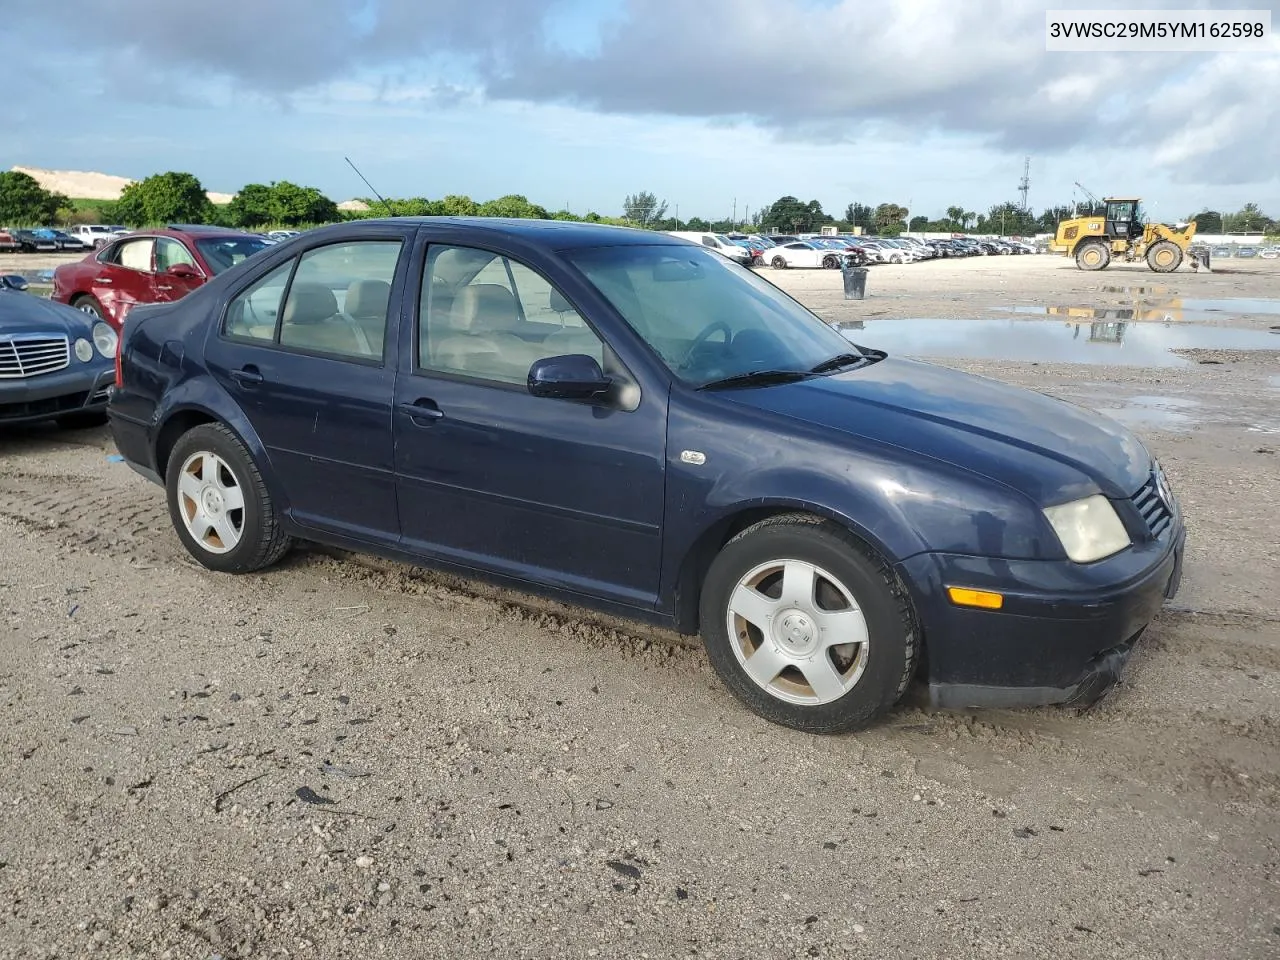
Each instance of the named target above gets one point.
<point>1140,290</point>
<point>1174,310</point>
<point>1164,413</point>
<point>1233,305</point>
<point>1098,341</point>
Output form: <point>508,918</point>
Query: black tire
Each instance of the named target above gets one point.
<point>831,263</point>
<point>894,636</point>
<point>88,304</point>
<point>82,420</point>
<point>1164,256</point>
<point>262,542</point>
<point>778,263</point>
<point>1093,255</point>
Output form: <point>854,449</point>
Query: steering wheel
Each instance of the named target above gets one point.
<point>702,337</point>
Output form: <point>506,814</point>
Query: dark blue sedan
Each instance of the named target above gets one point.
<point>625,420</point>
<point>56,363</point>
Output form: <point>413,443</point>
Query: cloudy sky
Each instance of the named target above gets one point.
<point>927,103</point>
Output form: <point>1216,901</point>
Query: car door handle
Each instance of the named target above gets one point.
<point>247,377</point>
<point>102,280</point>
<point>422,409</point>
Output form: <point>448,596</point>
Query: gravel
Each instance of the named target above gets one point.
<point>346,757</point>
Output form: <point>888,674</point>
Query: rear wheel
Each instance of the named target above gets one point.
<point>219,503</point>
<point>1092,255</point>
<point>1164,256</point>
<point>778,263</point>
<point>806,627</point>
<point>831,262</point>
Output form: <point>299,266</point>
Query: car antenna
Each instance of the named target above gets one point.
<point>390,212</point>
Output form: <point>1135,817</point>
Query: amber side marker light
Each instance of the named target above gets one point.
<point>963,597</point>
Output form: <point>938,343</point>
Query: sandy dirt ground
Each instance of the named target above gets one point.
<point>349,758</point>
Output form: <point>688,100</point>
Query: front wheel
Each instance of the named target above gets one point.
<point>1164,256</point>
<point>91,306</point>
<point>807,627</point>
<point>831,263</point>
<point>219,503</point>
<point>778,263</point>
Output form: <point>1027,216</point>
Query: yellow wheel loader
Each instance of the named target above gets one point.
<point>1121,233</point>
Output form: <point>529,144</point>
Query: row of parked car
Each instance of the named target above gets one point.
<point>832,252</point>
<point>1240,250</point>
<point>84,236</point>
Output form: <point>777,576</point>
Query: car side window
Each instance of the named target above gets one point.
<point>488,316</point>
<point>254,313</point>
<point>134,254</point>
<point>338,299</point>
<point>170,252</point>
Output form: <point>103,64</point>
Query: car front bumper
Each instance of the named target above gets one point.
<point>1063,635</point>
<point>79,388</point>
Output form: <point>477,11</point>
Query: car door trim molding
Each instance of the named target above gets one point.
<point>583,516</point>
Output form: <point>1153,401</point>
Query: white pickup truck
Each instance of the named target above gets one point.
<point>94,235</point>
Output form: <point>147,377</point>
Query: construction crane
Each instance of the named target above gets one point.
<point>1085,190</point>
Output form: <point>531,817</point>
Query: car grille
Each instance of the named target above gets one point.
<point>1155,513</point>
<point>29,357</point>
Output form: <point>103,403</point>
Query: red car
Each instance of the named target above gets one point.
<point>150,266</point>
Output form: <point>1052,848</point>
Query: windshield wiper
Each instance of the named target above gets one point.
<point>835,363</point>
<point>756,378</point>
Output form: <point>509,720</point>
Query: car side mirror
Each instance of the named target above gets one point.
<point>574,376</point>
<point>182,270</point>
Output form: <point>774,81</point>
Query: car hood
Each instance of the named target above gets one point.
<point>24,313</point>
<point>1048,449</point>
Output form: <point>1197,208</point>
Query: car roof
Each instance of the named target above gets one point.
<point>182,230</point>
<point>559,234</point>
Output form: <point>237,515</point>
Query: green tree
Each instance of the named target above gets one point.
<point>890,218</point>
<point>697,223</point>
<point>643,208</point>
<point>918,224</point>
<point>23,200</point>
<point>788,215</point>
<point>251,207</point>
<point>1248,219</point>
<point>1048,221</point>
<point>512,205</point>
<point>860,215</point>
<point>164,198</point>
<point>292,205</point>
<point>459,206</point>
<point>1207,221</point>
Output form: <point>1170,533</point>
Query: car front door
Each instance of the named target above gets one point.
<point>176,271</point>
<point>124,277</point>
<point>556,492</point>
<point>305,352</point>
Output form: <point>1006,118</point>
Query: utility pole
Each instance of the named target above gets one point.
<point>1024,185</point>
<point>733,222</point>
<point>677,216</point>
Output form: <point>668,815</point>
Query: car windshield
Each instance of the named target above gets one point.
<point>708,318</point>
<point>222,253</point>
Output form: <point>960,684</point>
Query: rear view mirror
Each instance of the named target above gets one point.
<point>574,376</point>
<point>666,271</point>
<point>182,270</point>
<point>13,281</point>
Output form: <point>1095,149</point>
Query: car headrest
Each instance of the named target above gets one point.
<point>558,303</point>
<point>483,308</point>
<point>367,299</point>
<point>310,303</point>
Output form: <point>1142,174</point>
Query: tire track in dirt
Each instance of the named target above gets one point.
<point>1154,742</point>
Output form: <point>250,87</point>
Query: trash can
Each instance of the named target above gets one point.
<point>855,282</point>
<point>1204,257</point>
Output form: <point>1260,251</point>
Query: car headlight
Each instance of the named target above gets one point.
<point>84,350</point>
<point>105,339</point>
<point>1089,529</point>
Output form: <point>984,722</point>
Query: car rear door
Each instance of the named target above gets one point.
<point>123,277</point>
<point>305,352</point>
<point>556,492</point>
